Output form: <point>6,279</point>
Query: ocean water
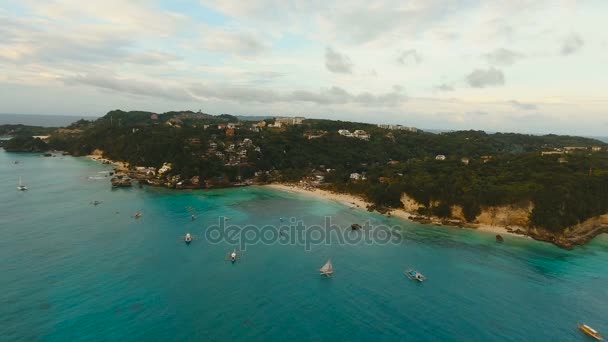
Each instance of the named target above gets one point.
<point>41,120</point>
<point>72,271</point>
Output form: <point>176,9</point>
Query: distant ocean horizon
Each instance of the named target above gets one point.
<point>41,120</point>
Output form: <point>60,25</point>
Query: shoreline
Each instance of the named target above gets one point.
<point>360,203</point>
<point>349,200</point>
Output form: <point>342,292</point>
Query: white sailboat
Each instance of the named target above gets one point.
<point>21,187</point>
<point>327,269</point>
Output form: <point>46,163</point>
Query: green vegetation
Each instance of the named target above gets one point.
<point>498,169</point>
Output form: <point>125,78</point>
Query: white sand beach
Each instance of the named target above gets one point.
<point>356,201</point>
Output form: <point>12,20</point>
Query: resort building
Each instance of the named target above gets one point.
<point>290,121</point>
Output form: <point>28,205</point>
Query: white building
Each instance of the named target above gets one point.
<point>290,121</point>
<point>398,127</point>
<point>357,176</point>
<point>440,157</point>
<point>345,133</point>
<point>361,134</point>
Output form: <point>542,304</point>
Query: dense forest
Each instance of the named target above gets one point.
<point>471,169</point>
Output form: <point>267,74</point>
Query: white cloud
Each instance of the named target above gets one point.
<point>480,78</point>
<point>571,44</point>
<point>337,62</point>
<point>503,57</point>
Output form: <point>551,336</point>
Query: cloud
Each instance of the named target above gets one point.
<point>197,92</point>
<point>444,87</point>
<point>480,78</point>
<point>130,86</point>
<point>337,62</point>
<point>571,44</point>
<point>326,96</point>
<point>241,44</point>
<point>522,105</point>
<point>503,57</point>
<point>409,57</point>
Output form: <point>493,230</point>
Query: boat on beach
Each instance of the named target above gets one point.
<point>327,269</point>
<point>589,331</point>
<point>415,275</point>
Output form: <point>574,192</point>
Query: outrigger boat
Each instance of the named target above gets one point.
<point>188,238</point>
<point>327,269</point>
<point>21,187</point>
<point>415,275</point>
<point>590,332</point>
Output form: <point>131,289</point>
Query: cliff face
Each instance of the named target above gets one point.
<point>517,218</point>
<point>506,216</point>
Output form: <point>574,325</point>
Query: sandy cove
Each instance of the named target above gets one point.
<point>97,155</point>
<point>356,201</point>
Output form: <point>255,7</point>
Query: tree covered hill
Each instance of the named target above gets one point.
<point>469,169</point>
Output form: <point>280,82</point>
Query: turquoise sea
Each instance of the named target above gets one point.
<point>72,271</point>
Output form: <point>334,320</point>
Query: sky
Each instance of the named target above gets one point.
<point>531,66</point>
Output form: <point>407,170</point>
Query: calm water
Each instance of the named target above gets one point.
<point>41,120</point>
<point>71,271</point>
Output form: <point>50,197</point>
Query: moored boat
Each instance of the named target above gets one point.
<point>415,275</point>
<point>589,331</point>
<point>21,187</point>
<point>233,256</point>
<point>188,238</point>
<point>327,269</point>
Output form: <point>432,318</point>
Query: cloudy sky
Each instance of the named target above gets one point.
<point>518,65</point>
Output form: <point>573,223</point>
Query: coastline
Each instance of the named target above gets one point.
<point>360,203</point>
<point>97,156</point>
<point>345,199</point>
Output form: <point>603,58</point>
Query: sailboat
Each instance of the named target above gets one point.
<point>327,269</point>
<point>21,187</point>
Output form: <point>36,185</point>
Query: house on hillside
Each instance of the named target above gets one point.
<point>465,160</point>
<point>361,134</point>
<point>440,157</point>
<point>345,133</point>
<point>357,176</point>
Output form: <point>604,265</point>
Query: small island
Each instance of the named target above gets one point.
<point>551,188</point>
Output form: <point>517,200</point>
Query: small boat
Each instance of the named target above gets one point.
<point>188,238</point>
<point>193,217</point>
<point>21,187</point>
<point>137,215</point>
<point>590,331</point>
<point>233,256</point>
<point>327,269</point>
<point>355,226</point>
<point>96,202</point>
<point>415,275</point>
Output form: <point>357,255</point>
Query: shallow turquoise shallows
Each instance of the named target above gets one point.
<point>73,271</point>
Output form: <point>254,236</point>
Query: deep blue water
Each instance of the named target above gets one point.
<point>71,271</point>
